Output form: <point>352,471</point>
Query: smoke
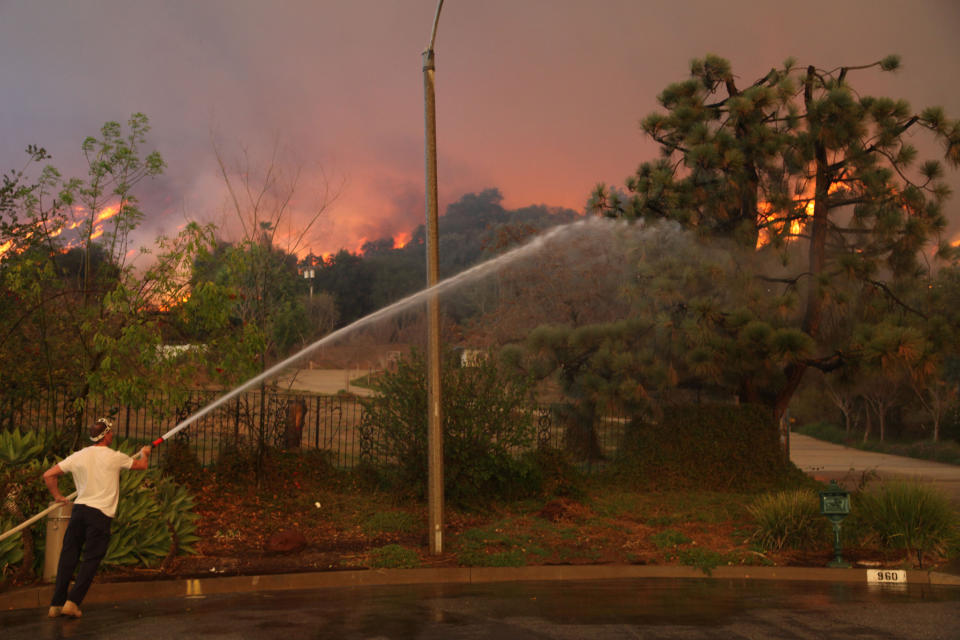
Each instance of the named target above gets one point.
<point>539,98</point>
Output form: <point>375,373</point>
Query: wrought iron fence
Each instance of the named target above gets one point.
<point>280,419</point>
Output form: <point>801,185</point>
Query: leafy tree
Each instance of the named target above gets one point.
<point>801,165</point>
<point>78,316</point>
<point>346,277</point>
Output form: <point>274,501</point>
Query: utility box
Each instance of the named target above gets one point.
<point>57,522</point>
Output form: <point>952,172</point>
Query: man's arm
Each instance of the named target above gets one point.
<point>144,460</point>
<point>51,477</point>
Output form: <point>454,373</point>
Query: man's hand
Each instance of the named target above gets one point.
<point>51,478</point>
<point>142,461</point>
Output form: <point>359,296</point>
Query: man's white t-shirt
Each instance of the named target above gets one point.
<point>96,472</point>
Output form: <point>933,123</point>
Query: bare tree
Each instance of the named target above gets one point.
<point>270,202</point>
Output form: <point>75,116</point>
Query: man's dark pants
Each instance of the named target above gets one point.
<point>89,532</point>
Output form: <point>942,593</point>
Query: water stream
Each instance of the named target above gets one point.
<point>472,274</point>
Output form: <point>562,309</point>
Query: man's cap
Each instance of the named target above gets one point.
<point>100,429</point>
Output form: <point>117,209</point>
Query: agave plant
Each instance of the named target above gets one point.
<point>18,448</point>
<point>11,549</point>
<point>154,518</point>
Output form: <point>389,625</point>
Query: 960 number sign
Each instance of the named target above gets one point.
<point>895,576</point>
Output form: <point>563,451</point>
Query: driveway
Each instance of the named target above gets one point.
<point>326,381</point>
<point>827,461</point>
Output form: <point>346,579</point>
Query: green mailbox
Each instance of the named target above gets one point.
<point>835,505</point>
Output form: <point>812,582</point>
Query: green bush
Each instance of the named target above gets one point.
<point>552,472</point>
<point>486,424</point>
<point>910,516</point>
<point>789,519</point>
<point>393,556</point>
<point>704,559</point>
<point>716,447</point>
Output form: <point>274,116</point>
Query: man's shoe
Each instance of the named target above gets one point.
<point>71,609</point>
<point>54,611</point>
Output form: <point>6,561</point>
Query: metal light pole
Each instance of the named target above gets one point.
<point>434,418</point>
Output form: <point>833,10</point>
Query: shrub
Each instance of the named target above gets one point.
<point>486,423</point>
<point>704,559</point>
<point>911,516</point>
<point>552,472</point>
<point>789,519</point>
<point>717,447</point>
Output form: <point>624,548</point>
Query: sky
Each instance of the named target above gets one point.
<point>538,98</point>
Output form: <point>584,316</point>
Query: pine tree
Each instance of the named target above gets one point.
<point>802,164</point>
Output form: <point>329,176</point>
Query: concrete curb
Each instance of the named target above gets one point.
<point>109,592</point>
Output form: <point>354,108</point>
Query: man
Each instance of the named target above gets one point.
<point>96,472</point>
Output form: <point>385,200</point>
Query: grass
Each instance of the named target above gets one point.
<point>391,522</point>
<point>499,544</point>
<point>394,556</point>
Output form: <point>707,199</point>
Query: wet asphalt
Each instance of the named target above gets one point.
<point>663,607</point>
<point>600,609</point>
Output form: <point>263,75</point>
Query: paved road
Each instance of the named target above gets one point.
<point>606,609</point>
<point>836,462</point>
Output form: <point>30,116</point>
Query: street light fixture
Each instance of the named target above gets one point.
<point>309,274</point>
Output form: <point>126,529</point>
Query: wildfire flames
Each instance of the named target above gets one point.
<point>75,219</point>
<point>771,222</point>
<point>401,240</point>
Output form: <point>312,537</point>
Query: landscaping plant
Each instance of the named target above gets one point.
<point>910,516</point>
<point>487,423</point>
<point>789,519</point>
